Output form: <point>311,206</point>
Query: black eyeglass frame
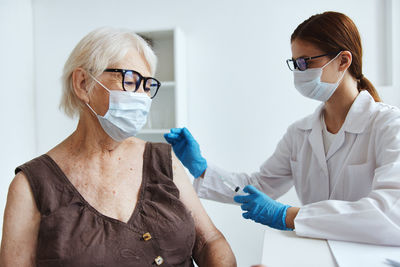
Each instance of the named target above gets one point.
<point>141,78</point>
<point>305,59</point>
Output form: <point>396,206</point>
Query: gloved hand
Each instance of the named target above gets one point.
<point>262,209</point>
<point>187,150</point>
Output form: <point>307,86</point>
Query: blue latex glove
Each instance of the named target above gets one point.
<point>262,209</point>
<point>187,150</point>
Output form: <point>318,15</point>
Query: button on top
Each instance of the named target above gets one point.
<point>146,236</point>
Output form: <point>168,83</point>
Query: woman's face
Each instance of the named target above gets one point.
<point>99,96</point>
<point>331,73</point>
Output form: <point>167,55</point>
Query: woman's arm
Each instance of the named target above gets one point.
<point>211,248</point>
<point>274,177</point>
<point>21,225</point>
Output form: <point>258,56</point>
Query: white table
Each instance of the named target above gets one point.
<point>285,248</point>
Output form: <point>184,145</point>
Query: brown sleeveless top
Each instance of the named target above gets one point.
<point>160,231</point>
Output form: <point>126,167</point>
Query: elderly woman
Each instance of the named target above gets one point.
<point>103,197</point>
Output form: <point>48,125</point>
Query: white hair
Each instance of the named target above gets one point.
<point>95,52</point>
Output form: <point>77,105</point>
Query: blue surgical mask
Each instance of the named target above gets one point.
<point>308,83</point>
<point>126,115</point>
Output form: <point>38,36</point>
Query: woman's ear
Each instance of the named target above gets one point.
<point>79,82</point>
<point>345,60</point>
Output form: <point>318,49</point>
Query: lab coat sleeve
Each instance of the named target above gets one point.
<point>273,178</point>
<point>373,219</point>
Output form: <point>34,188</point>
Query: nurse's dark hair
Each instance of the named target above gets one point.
<point>333,32</point>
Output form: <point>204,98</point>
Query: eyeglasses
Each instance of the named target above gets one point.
<point>131,81</point>
<point>301,62</point>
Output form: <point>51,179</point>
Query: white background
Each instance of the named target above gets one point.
<point>240,92</point>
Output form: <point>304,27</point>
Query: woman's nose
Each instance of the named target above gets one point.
<point>141,88</point>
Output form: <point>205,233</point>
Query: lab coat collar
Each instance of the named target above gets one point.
<point>356,120</point>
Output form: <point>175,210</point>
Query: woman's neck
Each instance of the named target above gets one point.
<point>337,107</point>
<point>90,140</point>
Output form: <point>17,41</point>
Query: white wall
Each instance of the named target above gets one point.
<point>17,133</point>
<point>240,93</point>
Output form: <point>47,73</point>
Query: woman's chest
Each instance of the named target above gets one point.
<point>345,172</point>
<point>79,234</point>
<point>113,191</point>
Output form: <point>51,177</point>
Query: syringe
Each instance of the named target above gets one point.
<point>231,185</point>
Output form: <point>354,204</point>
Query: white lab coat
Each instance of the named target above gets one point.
<point>352,193</point>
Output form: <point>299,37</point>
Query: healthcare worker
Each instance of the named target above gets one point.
<point>344,159</point>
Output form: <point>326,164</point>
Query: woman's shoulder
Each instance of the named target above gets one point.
<point>136,143</point>
<point>45,180</point>
<point>157,149</point>
<point>387,109</point>
<point>19,185</point>
<point>21,194</point>
<point>385,115</point>
<point>157,158</point>
<point>34,165</point>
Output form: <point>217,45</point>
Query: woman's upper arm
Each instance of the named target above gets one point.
<point>20,225</point>
<point>205,229</point>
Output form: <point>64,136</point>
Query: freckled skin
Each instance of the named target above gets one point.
<point>110,185</point>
